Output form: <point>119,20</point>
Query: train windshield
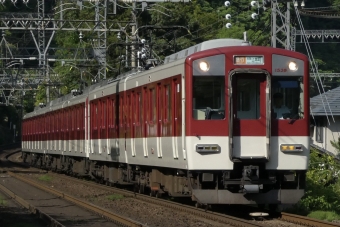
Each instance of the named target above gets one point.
<point>208,97</point>
<point>287,98</point>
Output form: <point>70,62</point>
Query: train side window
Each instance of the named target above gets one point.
<point>128,110</point>
<point>104,113</point>
<point>288,93</point>
<point>208,97</point>
<point>138,106</point>
<point>152,105</point>
<point>121,106</point>
<point>167,101</point>
<point>145,105</point>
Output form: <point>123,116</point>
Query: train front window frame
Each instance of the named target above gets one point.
<point>291,92</point>
<point>208,97</point>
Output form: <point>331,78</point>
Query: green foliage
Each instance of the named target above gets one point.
<point>46,178</point>
<point>168,28</point>
<point>336,145</point>
<point>40,96</point>
<point>9,115</point>
<point>324,215</point>
<point>323,187</point>
<point>115,197</point>
<point>2,201</point>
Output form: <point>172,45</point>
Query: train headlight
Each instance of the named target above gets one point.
<point>293,66</point>
<point>204,66</point>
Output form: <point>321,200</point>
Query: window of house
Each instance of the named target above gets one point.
<point>319,128</point>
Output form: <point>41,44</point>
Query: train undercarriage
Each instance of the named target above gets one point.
<point>247,183</point>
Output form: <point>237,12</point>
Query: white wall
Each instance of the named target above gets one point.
<point>331,132</point>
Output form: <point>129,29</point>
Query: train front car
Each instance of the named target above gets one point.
<point>247,125</point>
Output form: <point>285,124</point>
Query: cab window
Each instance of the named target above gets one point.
<point>287,98</point>
<point>208,97</point>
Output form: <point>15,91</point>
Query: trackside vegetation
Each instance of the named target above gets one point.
<point>45,178</point>
<point>322,197</point>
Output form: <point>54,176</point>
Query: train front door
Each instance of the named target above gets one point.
<point>249,116</point>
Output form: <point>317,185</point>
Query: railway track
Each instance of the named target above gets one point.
<point>207,214</point>
<point>302,220</point>
<point>33,210</point>
<point>117,219</point>
<point>215,216</point>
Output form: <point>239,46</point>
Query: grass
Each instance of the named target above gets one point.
<point>324,215</point>
<point>2,202</point>
<point>115,197</point>
<point>45,178</point>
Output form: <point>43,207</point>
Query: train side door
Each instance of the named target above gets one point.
<point>132,114</point>
<point>145,120</point>
<point>128,123</point>
<point>159,119</point>
<point>249,126</point>
<point>138,133</point>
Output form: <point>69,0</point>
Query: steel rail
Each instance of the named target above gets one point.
<point>201,212</point>
<point>297,219</point>
<point>45,217</point>
<point>214,216</point>
<point>302,220</point>
<point>118,219</point>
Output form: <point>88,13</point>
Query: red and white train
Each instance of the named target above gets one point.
<point>203,125</point>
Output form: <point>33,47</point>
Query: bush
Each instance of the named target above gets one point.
<point>322,185</point>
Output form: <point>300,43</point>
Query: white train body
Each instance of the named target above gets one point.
<point>208,133</point>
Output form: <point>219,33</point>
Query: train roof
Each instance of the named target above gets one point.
<point>216,43</point>
<point>211,44</point>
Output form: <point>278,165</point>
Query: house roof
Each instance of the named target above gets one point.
<point>326,103</point>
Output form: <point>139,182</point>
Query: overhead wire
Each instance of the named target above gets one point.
<point>315,70</point>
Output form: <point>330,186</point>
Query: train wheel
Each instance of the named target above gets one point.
<point>141,189</point>
<point>158,195</point>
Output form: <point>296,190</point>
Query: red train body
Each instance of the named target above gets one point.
<point>203,124</point>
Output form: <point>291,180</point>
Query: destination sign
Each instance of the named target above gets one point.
<point>248,60</point>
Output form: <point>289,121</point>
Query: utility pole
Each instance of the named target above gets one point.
<point>42,46</point>
<point>134,26</point>
<point>100,44</point>
<point>280,28</point>
<point>134,36</point>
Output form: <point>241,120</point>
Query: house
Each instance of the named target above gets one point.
<point>325,120</point>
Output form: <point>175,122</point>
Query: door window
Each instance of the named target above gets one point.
<point>248,98</point>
